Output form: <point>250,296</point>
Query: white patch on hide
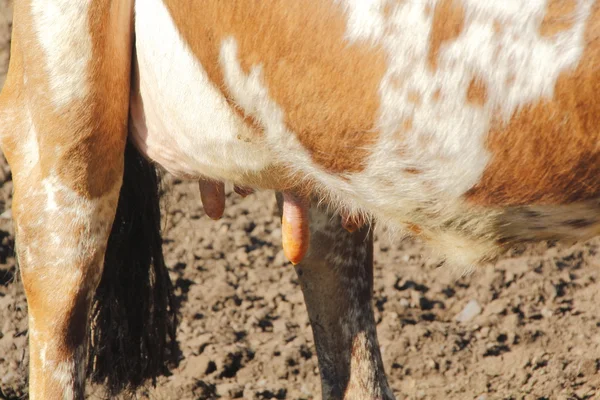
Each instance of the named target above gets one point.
<point>62,28</point>
<point>180,118</point>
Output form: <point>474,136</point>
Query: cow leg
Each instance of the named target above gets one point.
<point>63,128</point>
<point>336,277</point>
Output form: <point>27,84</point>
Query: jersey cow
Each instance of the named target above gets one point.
<point>471,124</point>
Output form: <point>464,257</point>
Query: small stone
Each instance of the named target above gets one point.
<point>496,307</point>
<point>588,367</point>
<point>199,366</point>
<point>471,310</point>
<point>432,364</point>
<point>485,332</point>
<point>546,313</point>
<point>230,390</point>
<point>280,326</point>
<point>306,391</point>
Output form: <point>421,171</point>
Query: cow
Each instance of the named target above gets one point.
<point>472,125</point>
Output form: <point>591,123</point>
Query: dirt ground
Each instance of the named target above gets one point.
<point>533,332</point>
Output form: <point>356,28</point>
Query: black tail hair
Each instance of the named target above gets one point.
<point>133,319</point>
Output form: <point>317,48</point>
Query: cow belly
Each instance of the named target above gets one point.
<point>178,118</point>
<point>456,149</point>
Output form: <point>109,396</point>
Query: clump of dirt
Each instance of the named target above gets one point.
<point>529,330</point>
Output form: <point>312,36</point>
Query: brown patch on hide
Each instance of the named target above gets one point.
<point>549,152</point>
<point>477,93</point>
<point>448,23</point>
<point>559,17</point>
<point>326,86</point>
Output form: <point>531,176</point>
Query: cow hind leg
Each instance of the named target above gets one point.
<point>61,238</point>
<point>63,114</point>
<point>336,277</point>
